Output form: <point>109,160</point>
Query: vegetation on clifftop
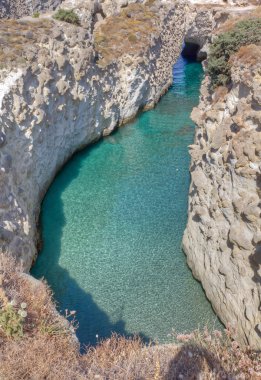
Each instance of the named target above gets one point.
<point>244,33</point>
<point>67,16</point>
<point>19,39</point>
<point>128,33</point>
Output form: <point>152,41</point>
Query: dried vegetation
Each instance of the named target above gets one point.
<point>18,37</point>
<point>231,22</point>
<point>247,55</point>
<point>130,32</point>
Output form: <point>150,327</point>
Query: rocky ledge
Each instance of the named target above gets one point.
<point>222,240</point>
<point>60,90</point>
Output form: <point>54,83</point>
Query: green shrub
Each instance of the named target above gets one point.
<point>11,320</point>
<point>244,33</point>
<point>132,38</point>
<point>67,15</point>
<point>36,15</point>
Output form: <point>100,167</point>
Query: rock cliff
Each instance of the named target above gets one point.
<point>61,88</point>
<point>60,91</point>
<point>203,19</point>
<point>20,8</point>
<point>222,240</point>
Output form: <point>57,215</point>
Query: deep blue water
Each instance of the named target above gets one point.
<point>113,221</point>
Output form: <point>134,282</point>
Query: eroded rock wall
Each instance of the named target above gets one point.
<point>204,19</point>
<point>222,240</point>
<point>20,8</point>
<point>58,100</point>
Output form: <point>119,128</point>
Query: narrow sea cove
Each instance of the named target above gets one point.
<point>112,224</point>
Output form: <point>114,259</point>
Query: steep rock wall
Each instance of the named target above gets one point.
<point>58,100</point>
<point>222,240</point>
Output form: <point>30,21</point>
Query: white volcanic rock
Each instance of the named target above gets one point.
<point>20,8</point>
<point>222,240</point>
<point>61,100</point>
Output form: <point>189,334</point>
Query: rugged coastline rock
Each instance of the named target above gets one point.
<point>58,98</point>
<point>203,19</point>
<point>20,8</point>
<point>60,90</point>
<point>222,240</point>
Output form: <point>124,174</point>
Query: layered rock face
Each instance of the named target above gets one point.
<point>20,8</point>
<point>222,240</point>
<point>57,98</point>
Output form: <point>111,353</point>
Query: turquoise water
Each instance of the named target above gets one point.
<point>112,225</point>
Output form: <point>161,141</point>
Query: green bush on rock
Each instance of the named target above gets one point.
<point>67,15</point>
<point>36,15</point>
<point>226,44</point>
<point>11,320</point>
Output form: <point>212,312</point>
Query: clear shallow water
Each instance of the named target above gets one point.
<point>112,225</point>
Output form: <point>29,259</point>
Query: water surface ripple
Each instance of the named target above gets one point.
<point>113,220</point>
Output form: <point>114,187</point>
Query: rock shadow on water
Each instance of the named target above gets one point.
<point>93,323</point>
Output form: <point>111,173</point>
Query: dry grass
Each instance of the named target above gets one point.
<point>47,350</point>
<point>231,22</point>
<point>130,32</point>
<point>17,37</point>
<point>248,55</point>
<point>220,93</point>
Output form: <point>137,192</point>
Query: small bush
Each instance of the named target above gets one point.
<point>11,321</point>
<point>68,16</point>
<point>226,44</point>
<point>36,15</point>
<point>132,38</point>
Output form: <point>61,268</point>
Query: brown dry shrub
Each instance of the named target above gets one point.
<point>248,55</point>
<point>40,357</point>
<point>18,37</point>
<point>231,22</point>
<point>224,356</point>
<point>129,32</point>
<point>220,94</point>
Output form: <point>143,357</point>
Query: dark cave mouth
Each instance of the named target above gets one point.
<point>192,51</point>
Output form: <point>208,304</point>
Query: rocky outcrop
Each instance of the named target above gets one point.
<point>19,8</point>
<point>222,240</point>
<point>57,99</point>
<point>204,19</point>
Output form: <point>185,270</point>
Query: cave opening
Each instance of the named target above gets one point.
<point>192,51</point>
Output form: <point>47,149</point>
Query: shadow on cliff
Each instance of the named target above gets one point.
<point>194,362</point>
<point>93,322</point>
